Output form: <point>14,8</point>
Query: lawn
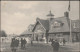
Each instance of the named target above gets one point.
<point>37,47</point>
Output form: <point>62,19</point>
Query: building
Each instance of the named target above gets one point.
<point>56,28</point>
<point>28,32</point>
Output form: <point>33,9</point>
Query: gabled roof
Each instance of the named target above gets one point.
<point>30,27</point>
<point>44,23</point>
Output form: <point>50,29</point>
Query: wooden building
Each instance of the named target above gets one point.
<point>56,28</point>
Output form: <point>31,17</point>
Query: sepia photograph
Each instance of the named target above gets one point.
<point>40,26</point>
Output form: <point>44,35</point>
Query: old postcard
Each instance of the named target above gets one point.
<point>40,26</point>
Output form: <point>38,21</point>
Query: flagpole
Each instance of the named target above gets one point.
<point>70,23</point>
<point>70,32</point>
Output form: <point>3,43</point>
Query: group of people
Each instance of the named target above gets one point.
<point>23,42</point>
<point>63,41</point>
<point>55,45</point>
<point>15,44</point>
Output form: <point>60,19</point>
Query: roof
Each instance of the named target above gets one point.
<point>30,27</point>
<point>44,23</point>
<point>64,28</point>
<point>26,32</point>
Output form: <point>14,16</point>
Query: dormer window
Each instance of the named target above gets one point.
<point>58,24</point>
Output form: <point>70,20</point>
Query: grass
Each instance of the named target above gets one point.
<point>37,47</point>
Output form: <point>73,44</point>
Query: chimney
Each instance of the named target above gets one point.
<point>66,14</point>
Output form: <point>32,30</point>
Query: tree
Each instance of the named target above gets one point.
<point>3,34</point>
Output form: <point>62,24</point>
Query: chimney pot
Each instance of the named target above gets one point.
<point>66,14</point>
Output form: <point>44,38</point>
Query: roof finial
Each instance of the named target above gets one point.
<point>50,11</point>
<point>50,14</point>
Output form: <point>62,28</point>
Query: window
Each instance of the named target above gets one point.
<point>57,24</point>
<point>75,25</point>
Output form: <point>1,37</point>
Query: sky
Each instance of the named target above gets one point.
<point>16,16</point>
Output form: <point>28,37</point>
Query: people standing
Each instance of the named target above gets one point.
<point>18,42</point>
<point>31,39</point>
<point>21,43</point>
<point>55,46</point>
<point>52,42</point>
<point>24,43</point>
<point>31,42</point>
<point>37,38</point>
<point>13,45</point>
<point>64,41</point>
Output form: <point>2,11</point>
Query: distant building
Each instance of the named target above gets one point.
<point>28,32</point>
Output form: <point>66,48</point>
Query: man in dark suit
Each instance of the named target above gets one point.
<point>55,46</point>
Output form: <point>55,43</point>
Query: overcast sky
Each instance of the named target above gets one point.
<point>16,16</point>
